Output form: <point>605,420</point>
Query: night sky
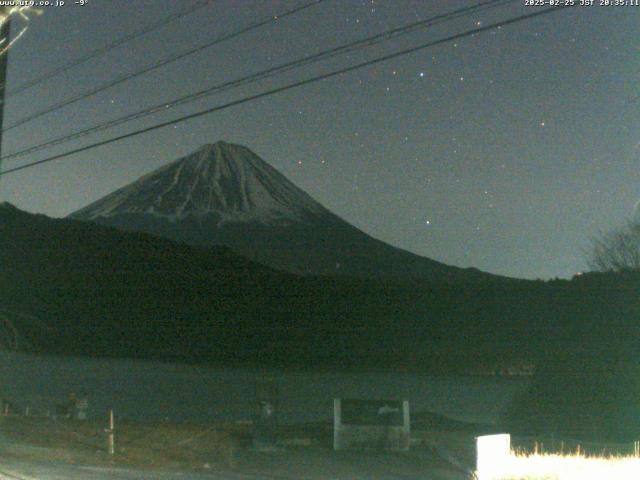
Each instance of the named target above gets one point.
<point>505,151</point>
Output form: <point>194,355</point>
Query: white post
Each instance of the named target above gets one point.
<point>406,425</point>
<point>337,422</point>
<point>111,435</point>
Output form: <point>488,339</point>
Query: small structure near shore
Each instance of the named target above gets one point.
<point>265,423</point>
<point>75,407</point>
<point>371,424</point>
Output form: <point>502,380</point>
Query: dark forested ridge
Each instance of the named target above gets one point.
<point>94,290</point>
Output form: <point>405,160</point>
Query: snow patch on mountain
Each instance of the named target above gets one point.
<point>226,181</point>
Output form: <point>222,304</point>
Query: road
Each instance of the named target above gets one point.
<point>21,470</point>
<point>32,470</point>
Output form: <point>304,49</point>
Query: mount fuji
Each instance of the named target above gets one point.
<point>224,194</point>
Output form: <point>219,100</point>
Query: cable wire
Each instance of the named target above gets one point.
<point>107,48</point>
<point>159,64</point>
<point>270,72</point>
<point>290,86</point>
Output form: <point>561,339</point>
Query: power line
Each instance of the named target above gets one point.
<point>161,63</point>
<point>270,72</point>
<point>107,48</point>
<point>290,86</point>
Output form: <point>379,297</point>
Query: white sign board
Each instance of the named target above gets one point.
<point>492,455</point>
<point>371,424</point>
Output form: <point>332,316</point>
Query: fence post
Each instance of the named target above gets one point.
<point>337,423</point>
<point>111,435</point>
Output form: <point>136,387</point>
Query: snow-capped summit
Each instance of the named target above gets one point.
<point>226,181</point>
<point>224,194</point>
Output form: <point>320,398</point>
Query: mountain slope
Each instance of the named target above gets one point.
<point>80,288</point>
<point>224,194</point>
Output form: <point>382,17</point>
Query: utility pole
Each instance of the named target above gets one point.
<point>5,38</point>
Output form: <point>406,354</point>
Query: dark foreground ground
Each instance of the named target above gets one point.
<point>39,448</point>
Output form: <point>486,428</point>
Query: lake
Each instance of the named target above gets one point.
<point>152,391</point>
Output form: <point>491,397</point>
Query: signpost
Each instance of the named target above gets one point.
<point>371,424</point>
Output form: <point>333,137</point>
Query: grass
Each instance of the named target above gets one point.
<point>137,444</point>
<point>304,450</point>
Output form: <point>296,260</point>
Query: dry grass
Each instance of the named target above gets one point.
<point>577,466</point>
<point>139,444</point>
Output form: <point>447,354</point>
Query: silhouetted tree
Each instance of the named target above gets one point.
<point>10,337</point>
<point>617,250</point>
<point>583,397</point>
